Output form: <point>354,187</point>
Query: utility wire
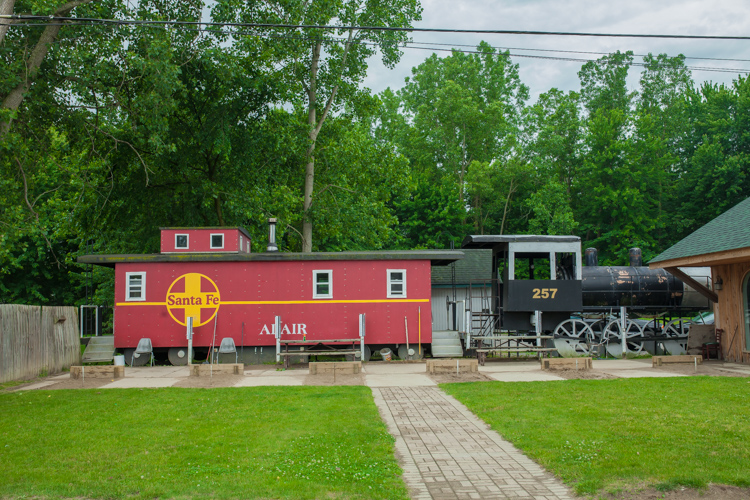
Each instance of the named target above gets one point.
<point>186,26</point>
<point>372,28</point>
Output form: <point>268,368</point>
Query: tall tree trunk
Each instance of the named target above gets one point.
<point>314,127</point>
<point>13,100</point>
<point>6,9</point>
<point>313,136</point>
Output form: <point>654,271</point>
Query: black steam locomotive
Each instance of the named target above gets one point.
<point>542,298</point>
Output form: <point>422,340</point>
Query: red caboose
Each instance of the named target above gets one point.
<point>209,275</point>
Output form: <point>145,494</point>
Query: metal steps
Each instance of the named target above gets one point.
<point>99,350</point>
<point>446,344</point>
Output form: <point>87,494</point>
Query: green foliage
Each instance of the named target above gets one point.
<point>460,127</point>
<point>718,147</point>
<point>551,211</point>
<point>125,129</point>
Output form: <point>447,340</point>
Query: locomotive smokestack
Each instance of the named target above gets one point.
<point>592,257</point>
<point>272,236</point>
<point>635,257</point>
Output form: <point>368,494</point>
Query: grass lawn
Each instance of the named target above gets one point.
<point>286,442</point>
<point>610,434</point>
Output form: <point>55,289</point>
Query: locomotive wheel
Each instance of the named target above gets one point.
<point>403,354</point>
<point>571,347</point>
<point>178,356</point>
<point>133,359</point>
<point>676,328</point>
<point>572,337</point>
<point>613,335</point>
<point>574,328</point>
<point>597,329</point>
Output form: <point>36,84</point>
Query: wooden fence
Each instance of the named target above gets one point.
<point>36,339</point>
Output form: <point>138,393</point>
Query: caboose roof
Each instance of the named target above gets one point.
<point>436,257</point>
<point>210,228</point>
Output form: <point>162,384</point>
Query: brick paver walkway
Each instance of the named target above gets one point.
<point>448,453</point>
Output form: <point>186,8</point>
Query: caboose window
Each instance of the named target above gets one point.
<point>217,241</point>
<point>397,283</point>
<point>181,241</point>
<point>322,284</point>
<point>135,286</point>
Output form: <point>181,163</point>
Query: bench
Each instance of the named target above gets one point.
<point>326,348</point>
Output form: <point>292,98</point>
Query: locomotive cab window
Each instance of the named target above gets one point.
<point>217,241</point>
<point>531,266</point>
<point>397,283</point>
<point>181,241</point>
<point>322,284</point>
<point>135,286</point>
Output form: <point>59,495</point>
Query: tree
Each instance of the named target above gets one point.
<point>555,133</point>
<point>717,145</point>
<point>660,128</point>
<point>22,69</point>
<point>323,68</point>
<point>454,111</point>
<point>608,198</point>
<point>74,137</point>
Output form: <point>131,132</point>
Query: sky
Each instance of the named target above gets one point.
<point>679,17</point>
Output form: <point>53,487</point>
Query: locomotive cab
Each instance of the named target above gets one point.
<point>535,273</point>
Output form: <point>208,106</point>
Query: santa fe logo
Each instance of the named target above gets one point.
<point>193,295</point>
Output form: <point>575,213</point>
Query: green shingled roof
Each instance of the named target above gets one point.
<point>729,231</point>
<point>476,265</point>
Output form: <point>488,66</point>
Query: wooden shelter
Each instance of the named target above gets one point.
<point>723,245</point>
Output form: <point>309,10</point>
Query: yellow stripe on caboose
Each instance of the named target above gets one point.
<point>280,302</point>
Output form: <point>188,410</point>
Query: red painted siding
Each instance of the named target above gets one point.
<point>256,292</point>
<point>199,240</point>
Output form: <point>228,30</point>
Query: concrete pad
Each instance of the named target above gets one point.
<point>156,371</point>
<point>61,377</point>
<point>259,381</point>
<point>642,374</point>
<point>399,380</point>
<point>735,367</point>
<point>392,368</point>
<point>280,373</point>
<point>142,383</point>
<point>621,364</point>
<point>39,385</point>
<point>511,366</point>
<point>539,376</point>
<point>734,370</point>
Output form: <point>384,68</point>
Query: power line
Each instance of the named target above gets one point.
<point>373,28</point>
<point>187,26</point>
<point>568,51</point>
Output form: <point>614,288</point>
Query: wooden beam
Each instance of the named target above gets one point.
<point>709,294</point>
<point>707,259</point>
